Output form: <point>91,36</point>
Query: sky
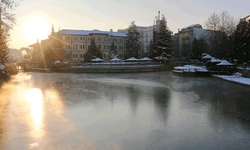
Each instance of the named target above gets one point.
<point>36,17</point>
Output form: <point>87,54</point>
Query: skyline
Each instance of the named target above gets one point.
<point>35,18</point>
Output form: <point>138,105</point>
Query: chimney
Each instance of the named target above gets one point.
<point>111,32</point>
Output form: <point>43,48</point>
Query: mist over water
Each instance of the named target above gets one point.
<point>123,111</point>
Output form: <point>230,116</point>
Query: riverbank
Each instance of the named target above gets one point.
<point>100,68</point>
<point>234,79</point>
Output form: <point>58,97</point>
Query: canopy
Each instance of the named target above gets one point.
<point>146,59</point>
<point>132,59</point>
<point>97,59</point>
<point>115,59</point>
<point>207,56</point>
<point>225,63</point>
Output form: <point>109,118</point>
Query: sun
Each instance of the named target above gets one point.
<point>36,27</point>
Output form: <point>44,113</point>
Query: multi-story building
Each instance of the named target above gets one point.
<point>187,36</point>
<point>77,42</point>
<point>247,18</point>
<point>175,39</point>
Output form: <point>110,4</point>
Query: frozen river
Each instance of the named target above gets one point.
<point>128,111</point>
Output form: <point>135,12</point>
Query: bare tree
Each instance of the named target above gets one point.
<point>212,22</point>
<point>223,26</point>
<point>223,22</point>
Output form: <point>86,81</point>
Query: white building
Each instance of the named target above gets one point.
<point>187,36</point>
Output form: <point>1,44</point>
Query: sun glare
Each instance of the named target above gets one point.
<point>36,105</point>
<point>35,28</point>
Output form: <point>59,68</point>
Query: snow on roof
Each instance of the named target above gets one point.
<point>207,56</point>
<point>97,59</point>
<point>132,59</point>
<point>191,26</point>
<point>146,59</point>
<point>88,32</point>
<point>215,60</point>
<point>225,63</point>
<point>115,59</point>
<point>141,27</point>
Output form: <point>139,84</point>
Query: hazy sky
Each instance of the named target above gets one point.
<point>35,17</point>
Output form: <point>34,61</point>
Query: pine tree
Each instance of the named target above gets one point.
<point>93,47</point>
<point>241,48</point>
<point>112,48</point>
<point>132,42</point>
<point>164,44</point>
<point>59,47</point>
<point>198,47</point>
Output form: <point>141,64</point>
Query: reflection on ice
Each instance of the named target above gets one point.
<point>35,98</point>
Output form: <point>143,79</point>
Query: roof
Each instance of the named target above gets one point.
<point>33,45</point>
<point>88,32</point>
<point>225,63</point>
<point>191,26</point>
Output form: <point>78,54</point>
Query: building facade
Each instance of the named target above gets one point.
<point>187,36</point>
<point>77,42</point>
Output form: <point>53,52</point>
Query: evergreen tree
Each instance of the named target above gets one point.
<point>151,48</point>
<point>164,44</point>
<point>93,47</point>
<point>59,47</point>
<point>198,47</point>
<point>241,48</point>
<point>132,42</point>
<point>112,48</point>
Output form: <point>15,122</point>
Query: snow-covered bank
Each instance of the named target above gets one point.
<point>235,79</point>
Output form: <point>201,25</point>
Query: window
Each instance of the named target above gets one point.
<point>104,55</point>
<point>104,39</point>
<point>81,55</point>
<point>81,38</point>
<point>88,47</point>
<point>74,55</point>
<point>122,40</point>
<point>115,46</point>
<point>108,46</point>
<point>99,46</point>
<point>83,46</point>
<point>80,46</point>
<point>68,46</point>
<point>104,46</point>
<point>109,39</point>
<point>64,38</point>
<point>74,37</point>
<point>68,38</point>
<point>74,46</point>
